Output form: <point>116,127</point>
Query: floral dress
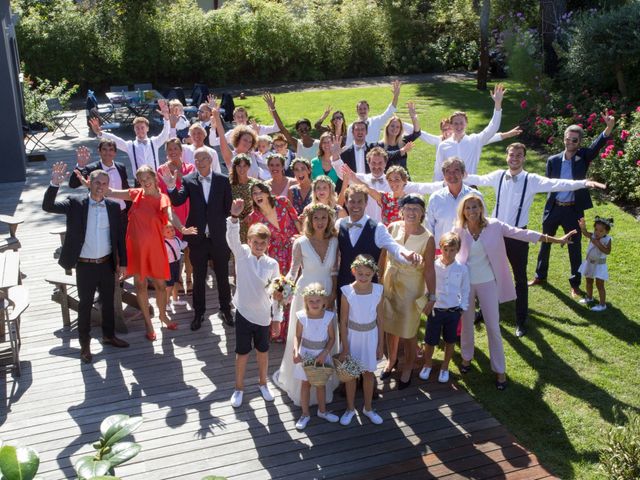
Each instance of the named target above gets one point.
<point>281,244</point>
<point>390,208</point>
<point>243,191</point>
<point>298,202</point>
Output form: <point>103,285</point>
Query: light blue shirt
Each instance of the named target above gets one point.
<point>565,173</point>
<point>97,238</point>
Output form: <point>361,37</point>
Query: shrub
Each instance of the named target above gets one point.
<point>620,459</point>
<point>35,93</point>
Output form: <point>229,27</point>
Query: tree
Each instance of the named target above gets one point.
<point>483,67</point>
<point>550,13</point>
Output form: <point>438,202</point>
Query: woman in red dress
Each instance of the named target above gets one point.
<point>281,218</point>
<point>147,256</point>
<point>177,167</point>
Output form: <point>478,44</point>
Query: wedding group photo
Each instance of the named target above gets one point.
<point>352,239</point>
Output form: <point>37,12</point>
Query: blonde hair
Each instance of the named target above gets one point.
<point>330,229</point>
<point>450,239</point>
<point>147,169</point>
<point>141,120</point>
<point>333,196</point>
<point>355,188</point>
<point>399,170</point>
<point>461,220</point>
<point>398,138</point>
<point>260,231</point>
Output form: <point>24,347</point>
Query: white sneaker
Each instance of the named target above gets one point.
<point>599,308</point>
<point>424,373</point>
<point>179,303</point>
<point>585,300</point>
<point>301,424</point>
<point>443,376</point>
<point>266,393</point>
<point>373,416</point>
<point>236,398</point>
<point>346,417</point>
<point>328,416</point>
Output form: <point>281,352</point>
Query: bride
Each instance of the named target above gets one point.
<point>316,252</point>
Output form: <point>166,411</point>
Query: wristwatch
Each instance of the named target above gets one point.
<point>431,297</point>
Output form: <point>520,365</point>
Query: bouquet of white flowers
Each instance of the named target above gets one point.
<point>284,286</point>
<point>348,370</point>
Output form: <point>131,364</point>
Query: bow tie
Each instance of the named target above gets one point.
<point>358,148</point>
<point>204,179</point>
<point>511,177</point>
<point>353,225</point>
<point>377,180</point>
<point>108,169</point>
<point>142,142</point>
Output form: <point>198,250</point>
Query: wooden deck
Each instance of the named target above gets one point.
<point>181,384</point>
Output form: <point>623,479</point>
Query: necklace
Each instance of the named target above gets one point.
<point>474,235</point>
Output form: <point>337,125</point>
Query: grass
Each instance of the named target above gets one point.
<point>574,374</point>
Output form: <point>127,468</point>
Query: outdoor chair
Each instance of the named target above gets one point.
<point>104,110</point>
<point>142,86</point>
<point>34,134</point>
<point>105,124</point>
<point>63,120</point>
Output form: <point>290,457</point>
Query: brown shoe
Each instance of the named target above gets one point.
<point>576,293</point>
<point>536,281</point>
<point>85,354</point>
<point>114,342</point>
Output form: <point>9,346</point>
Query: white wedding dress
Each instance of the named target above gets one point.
<point>314,269</point>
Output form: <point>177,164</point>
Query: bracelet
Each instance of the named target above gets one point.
<point>431,297</point>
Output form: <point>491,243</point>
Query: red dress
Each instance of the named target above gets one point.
<point>281,243</point>
<point>390,208</point>
<point>181,211</point>
<point>146,253</point>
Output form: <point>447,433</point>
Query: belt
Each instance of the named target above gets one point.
<point>362,327</point>
<point>313,345</point>
<point>597,261</point>
<point>454,309</point>
<point>565,204</point>
<point>104,259</point>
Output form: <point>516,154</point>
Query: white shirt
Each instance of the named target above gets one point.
<point>307,152</point>
<point>254,274</point>
<point>480,269</point>
<point>189,150</point>
<point>115,181</point>
<point>442,210</point>
<point>373,210</point>
<point>97,238</point>
<point>174,248</point>
<point>511,192</point>
<point>452,285</point>
<point>382,238</point>
<point>423,188</point>
<point>146,152</point>
<point>255,170</point>
<point>358,151</point>
<point>206,184</point>
<point>468,148</point>
<point>375,125</point>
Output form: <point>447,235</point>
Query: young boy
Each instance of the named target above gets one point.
<point>263,149</point>
<point>174,247</point>
<point>452,298</point>
<point>254,270</point>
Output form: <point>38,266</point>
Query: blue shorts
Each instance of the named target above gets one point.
<point>445,321</point>
<point>249,336</point>
<point>174,273</point>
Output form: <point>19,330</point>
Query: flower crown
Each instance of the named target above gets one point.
<point>606,221</point>
<point>314,207</point>
<point>362,261</point>
<point>313,291</point>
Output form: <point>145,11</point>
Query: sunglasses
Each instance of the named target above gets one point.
<point>572,140</point>
<point>339,117</point>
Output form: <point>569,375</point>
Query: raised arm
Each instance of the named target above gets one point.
<point>83,156</point>
<point>168,131</point>
<point>58,175</point>
<point>227,154</point>
<point>318,125</point>
<point>121,144</point>
<point>270,100</point>
<point>119,194</point>
<point>353,178</point>
<point>411,106</point>
<point>233,227</point>
<point>490,130</point>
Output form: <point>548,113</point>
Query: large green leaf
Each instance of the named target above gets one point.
<point>108,424</point>
<point>121,452</point>
<point>89,467</point>
<point>121,429</point>
<point>18,463</point>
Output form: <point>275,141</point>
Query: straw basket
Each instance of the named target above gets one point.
<point>341,374</point>
<point>318,375</point>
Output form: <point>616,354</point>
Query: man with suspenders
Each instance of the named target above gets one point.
<point>515,191</point>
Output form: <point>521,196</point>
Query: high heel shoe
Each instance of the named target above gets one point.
<point>151,336</point>
<point>171,325</point>
<point>387,373</point>
<point>402,385</point>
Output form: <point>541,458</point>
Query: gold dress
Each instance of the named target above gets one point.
<point>404,287</point>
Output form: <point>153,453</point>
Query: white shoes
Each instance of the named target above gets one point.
<point>424,373</point>
<point>328,416</point>
<point>585,300</point>
<point>266,393</point>
<point>179,303</point>
<point>236,398</point>
<point>373,416</point>
<point>443,376</point>
<point>599,308</point>
<point>301,424</point>
<point>346,417</point>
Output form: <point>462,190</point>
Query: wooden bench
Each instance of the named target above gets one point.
<point>16,303</point>
<point>12,242</point>
<point>62,233</point>
<point>9,277</point>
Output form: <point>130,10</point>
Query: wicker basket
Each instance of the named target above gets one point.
<point>318,375</point>
<point>341,374</point>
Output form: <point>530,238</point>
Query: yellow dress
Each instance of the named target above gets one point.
<point>404,286</point>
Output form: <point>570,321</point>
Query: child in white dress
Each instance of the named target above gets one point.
<point>314,338</point>
<point>361,333</point>
<point>594,265</point>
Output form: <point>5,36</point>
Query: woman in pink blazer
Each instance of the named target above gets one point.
<point>482,249</point>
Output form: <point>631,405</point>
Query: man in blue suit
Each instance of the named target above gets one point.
<point>566,208</point>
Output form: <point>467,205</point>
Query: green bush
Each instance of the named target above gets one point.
<point>36,92</point>
<point>620,459</point>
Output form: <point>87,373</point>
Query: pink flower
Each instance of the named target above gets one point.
<point>550,140</point>
<point>610,142</point>
<point>604,155</point>
<point>568,106</point>
<point>620,153</point>
<point>523,104</point>
<point>580,125</point>
<point>611,111</point>
<point>638,109</point>
<point>547,122</point>
<point>624,134</point>
<point>638,163</point>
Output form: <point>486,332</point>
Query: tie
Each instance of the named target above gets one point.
<point>379,180</point>
<point>353,225</point>
<point>511,177</point>
<point>204,179</point>
<point>359,148</point>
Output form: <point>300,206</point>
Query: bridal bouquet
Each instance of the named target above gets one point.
<point>284,286</point>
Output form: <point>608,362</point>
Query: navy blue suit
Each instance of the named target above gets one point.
<point>567,216</point>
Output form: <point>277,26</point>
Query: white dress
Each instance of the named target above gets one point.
<point>313,330</point>
<point>314,269</point>
<point>595,263</point>
<point>363,311</point>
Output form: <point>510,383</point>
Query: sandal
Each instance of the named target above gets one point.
<point>151,336</point>
<point>171,325</point>
<point>501,385</point>
<point>465,368</point>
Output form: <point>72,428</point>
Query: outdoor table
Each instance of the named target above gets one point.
<point>135,104</point>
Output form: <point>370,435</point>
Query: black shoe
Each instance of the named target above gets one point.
<point>402,385</point>
<point>501,386</point>
<point>521,331</point>
<point>197,321</point>
<point>387,373</point>
<point>226,317</point>
<point>478,318</point>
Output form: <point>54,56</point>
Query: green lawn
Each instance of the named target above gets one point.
<point>574,374</point>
